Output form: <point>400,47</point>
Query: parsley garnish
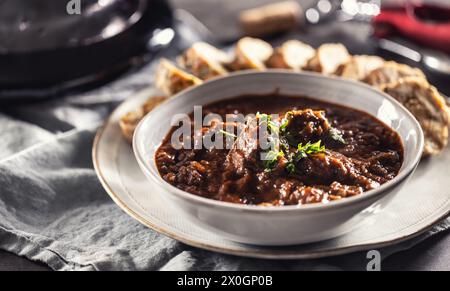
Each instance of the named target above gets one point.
<point>267,119</point>
<point>272,159</point>
<point>291,168</point>
<point>226,133</point>
<point>310,148</point>
<point>336,135</point>
<point>285,120</point>
<point>302,152</point>
<point>283,141</point>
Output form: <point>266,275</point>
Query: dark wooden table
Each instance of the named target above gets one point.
<point>433,254</point>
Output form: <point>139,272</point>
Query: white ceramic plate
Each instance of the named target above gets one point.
<point>424,201</point>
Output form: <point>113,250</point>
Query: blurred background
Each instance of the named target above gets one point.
<point>416,32</point>
<point>47,48</point>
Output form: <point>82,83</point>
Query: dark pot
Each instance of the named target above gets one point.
<point>47,44</point>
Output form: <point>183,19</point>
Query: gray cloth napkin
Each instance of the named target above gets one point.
<point>54,210</point>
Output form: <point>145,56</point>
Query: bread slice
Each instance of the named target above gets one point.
<point>293,54</point>
<point>429,108</point>
<point>171,80</point>
<point>251,53</point>
<point>359,67</point>
<point>204,61</point>
<point>129,121</point>
<point>391,72</point>
<point>328,58</point>
<point>270,19</point>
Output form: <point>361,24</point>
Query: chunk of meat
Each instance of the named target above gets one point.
<point>242,161</point>
<point>306,125</point>
<point>391,72</point>
<point>318,188</point>
<point>384,164</point>
<point>328,58</point>
<point>251,53</point>
<point>192,174</point>
<point>244,152</point>
<point>339,191</point>
<point>292,193</point>
<point>428,106</point>
<point>204,61</point>
<point>359,67</point>
<point>329,167</point>
<point>293,55</point>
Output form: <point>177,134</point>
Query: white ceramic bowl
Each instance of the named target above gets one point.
<point>285,225</point>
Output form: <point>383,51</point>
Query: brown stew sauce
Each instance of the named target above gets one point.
<point>371,155</point>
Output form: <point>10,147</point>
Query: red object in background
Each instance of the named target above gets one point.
<point>424,24</point>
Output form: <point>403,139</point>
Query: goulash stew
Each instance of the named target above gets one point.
<point>313,152</point>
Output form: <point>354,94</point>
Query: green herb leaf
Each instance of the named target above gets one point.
<point>274,128</point>
<point>336,135</point>
<point>285,121</point>
<point>226,133</point>
<point>291,168</point>
<point>263,117</point>
<point>282,141</point>
<point>310,148</point>
<point>272,159</point>
<point>303,151</point>
<point>267,119</point>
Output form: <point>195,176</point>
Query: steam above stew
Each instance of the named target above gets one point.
<point>317,152</point>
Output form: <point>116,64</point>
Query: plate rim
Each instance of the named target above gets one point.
<point>288,255</point>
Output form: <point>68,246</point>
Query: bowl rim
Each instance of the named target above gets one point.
<point>346,202</point>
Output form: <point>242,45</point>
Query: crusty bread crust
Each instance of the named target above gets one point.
<point>293,55</point>
<point>391,72</point>
<point>359,67</point>
<point>406,84</point>
<point>172,80</point>
<point>270,19</point>
<point>251,54</point>
<point>204,61</point>
<point>129,121</point>
<point>328,58</point>
<point>428,106</point>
